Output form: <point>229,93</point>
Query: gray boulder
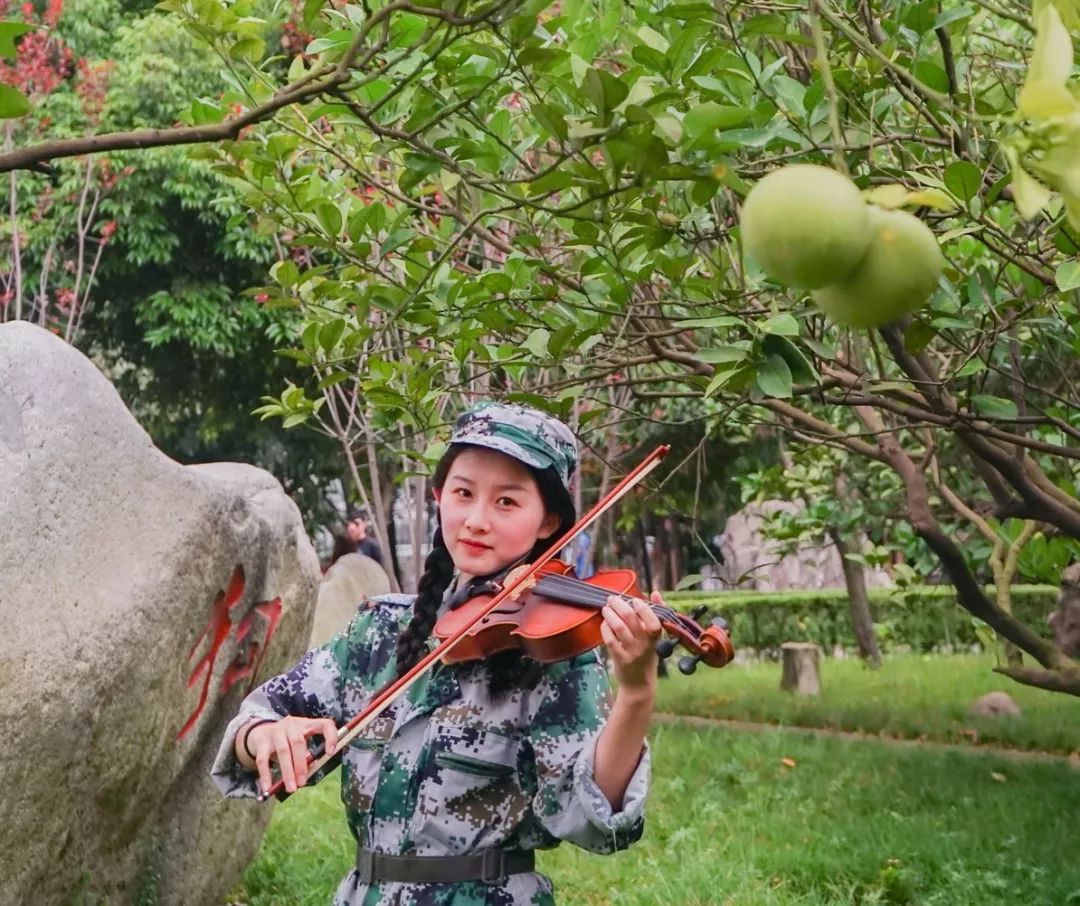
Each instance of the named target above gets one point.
<point>755,562</point>
<point>994,704</point>
<point>347,584</point>
<point>139,599</point>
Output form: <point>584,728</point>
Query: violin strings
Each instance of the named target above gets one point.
<point>583,593</point>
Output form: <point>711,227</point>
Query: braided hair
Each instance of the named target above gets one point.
<point>510,668</point>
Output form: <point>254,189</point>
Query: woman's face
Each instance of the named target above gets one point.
<point>491,512</point>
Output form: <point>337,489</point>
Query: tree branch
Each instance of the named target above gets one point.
<point>969,593</point>
<point>321,80</point>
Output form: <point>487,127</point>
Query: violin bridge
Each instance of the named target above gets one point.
<point>524,587</point>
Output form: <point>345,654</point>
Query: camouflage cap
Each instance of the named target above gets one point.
<point>521,432</point>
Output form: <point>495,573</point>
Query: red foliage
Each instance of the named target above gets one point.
<point>293,37</point>
<point>43,60</point>
<point>92,86</point>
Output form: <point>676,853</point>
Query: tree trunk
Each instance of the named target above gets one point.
<point>858,602</point>
<point>646,566</point>
<point>674,552</point>
<point>801,662</point>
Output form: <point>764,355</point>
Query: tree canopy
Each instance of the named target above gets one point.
<point>543,201</point>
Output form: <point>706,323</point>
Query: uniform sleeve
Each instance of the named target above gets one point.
<point>313,688</point>
<point>563,733</point>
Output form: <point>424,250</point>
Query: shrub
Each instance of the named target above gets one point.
<point>920,617</point>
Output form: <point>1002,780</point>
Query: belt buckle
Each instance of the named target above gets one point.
<point>492,866</point>
<point>365,866</point>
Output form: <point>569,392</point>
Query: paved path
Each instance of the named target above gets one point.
<point>743,726</point>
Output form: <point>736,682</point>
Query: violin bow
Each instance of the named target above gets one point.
<point>517,580</point>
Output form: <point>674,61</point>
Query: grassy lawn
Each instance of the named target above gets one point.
<point>730,823</point>
<point>911,696</point>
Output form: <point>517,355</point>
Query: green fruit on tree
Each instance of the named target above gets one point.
<point>897,275</point>
<point>807,226</point>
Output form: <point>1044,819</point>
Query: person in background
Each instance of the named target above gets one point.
<point>357,530</point>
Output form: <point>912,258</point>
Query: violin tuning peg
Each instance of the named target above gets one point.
<point>698,612</point>
<point>688,664</point>
<point>719,622</point>
<point>665,647</point>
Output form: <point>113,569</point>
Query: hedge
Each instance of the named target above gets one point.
<point>918,618</point>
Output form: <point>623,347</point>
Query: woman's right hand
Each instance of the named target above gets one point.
<point>285,741</point>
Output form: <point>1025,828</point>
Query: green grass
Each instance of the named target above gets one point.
<point>911,696</point>
<point>853,822</point>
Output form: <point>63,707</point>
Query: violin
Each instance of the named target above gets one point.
<point>553,616</point>
<point>709,645</point>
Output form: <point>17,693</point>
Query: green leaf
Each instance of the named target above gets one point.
<point>204,110</point>
<point>309,339</point>
<point>1067,276</point>
<point>783,325</point>
<point>802,372</point>
<point>949,16</point>
<point>1029,194</point>
<point>687,581</point>
<point>329,218</point>
<point>919,17</point>
<point>330,333</point>
<point>930,73</point>
<point>537,342</point>
<point>704,119</point>
<point>723,376</point>
<point>890,196</point>
<point>336,40</point>
<point>9,31</point>
<point>821,349</point>
<point>248,48</point>
<point>717,355</point>
<point>774,377</point>
<point>963,179</point>
<point>605,91</point>
<point>973,366</point>
<point>286,273</point>
<point>715,321</point>
<point>13,103</point>
<point>931,198</point>
<point>1045,92</point>
<point>651,58</point>
<point>336,377</point>
<point>550,117</point>
<point>994,406</point>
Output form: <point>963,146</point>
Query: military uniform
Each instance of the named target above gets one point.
<point>446,770</point>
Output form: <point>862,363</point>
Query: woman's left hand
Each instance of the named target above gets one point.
<point>630,631</point>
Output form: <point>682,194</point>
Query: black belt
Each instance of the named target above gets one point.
<point>490,866</point>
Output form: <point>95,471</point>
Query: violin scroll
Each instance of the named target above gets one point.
<point>711,646</point>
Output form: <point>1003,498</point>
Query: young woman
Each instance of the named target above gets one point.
<point>450,790</point>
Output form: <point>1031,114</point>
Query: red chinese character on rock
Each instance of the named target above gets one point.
<point>251,647</point>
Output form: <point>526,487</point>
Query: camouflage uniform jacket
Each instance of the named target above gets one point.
<point>446,770</point>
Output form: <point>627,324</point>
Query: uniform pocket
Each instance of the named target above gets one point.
<point>482,754</point>
<point>469,796</point>
<point>362,761</point>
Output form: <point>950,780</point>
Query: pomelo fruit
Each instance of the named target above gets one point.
<point>807,226</point>
<point>897,275</point>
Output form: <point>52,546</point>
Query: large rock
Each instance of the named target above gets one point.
<point>137,596</point>
<point>755,562</point>
<point>348,582</point>
<point>994,704</point>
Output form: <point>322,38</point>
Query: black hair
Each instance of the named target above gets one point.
<point>508,669</point>
<point>343,545</point>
